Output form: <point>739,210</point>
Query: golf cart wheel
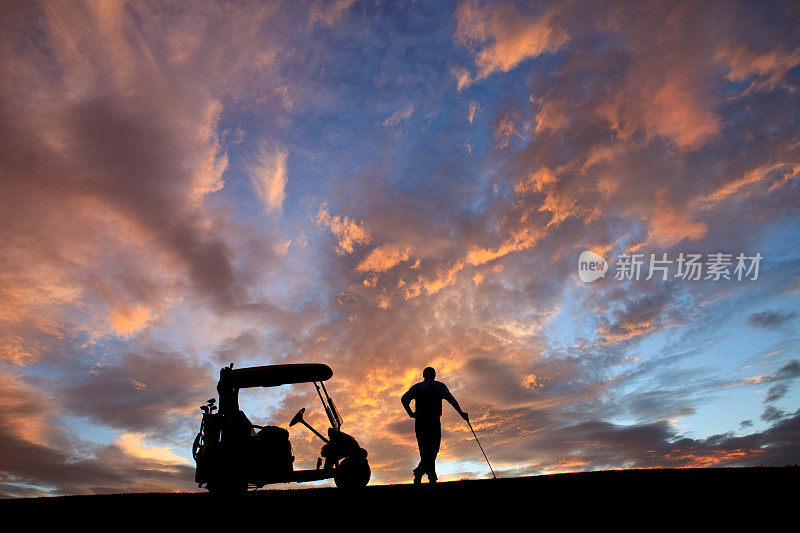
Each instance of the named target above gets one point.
<point>352,473</point>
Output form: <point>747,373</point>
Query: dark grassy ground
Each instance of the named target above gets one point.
<point>719,498</point>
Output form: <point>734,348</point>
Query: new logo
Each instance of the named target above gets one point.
<point>591,266</point>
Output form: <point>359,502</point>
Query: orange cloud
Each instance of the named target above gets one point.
<point>384,257</point>
<point>672,109</point>
<point>709,458</point>
<point>507,37</point>
<point>780,173</point>
<point>348,232</point>
<point>622,332</point>
<point>769,67</point>
<point>561,205</point>
<point>269,176</point>
<point>128,320</point>
<point>677,113</point>
<point>134,445</point>
<point>26,413</point>
<point>474,109</point>
<point>551,115</point>
<point>670,226</point>
<point>536,182</point>
<point>445,276</point>
<point>506,128</point>
<point>212,161</point>
<point>521,239</point>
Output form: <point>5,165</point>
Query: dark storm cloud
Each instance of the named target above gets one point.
<point>597,445</point>
<point>770,319</point>
<point>27,465</point>
<point>781,378</point>
<point>145,392</point>
<point>776,392</point>
<point>772,414</point>
<point>246,345</point>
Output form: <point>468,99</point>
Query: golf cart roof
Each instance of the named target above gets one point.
<point>276,375</point>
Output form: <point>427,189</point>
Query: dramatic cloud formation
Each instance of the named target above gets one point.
<point>385,186</point>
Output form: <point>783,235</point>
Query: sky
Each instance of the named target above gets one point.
<point>383,186</point>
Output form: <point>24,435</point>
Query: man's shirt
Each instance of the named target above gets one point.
<point>428,396</point>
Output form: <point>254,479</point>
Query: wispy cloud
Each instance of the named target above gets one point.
<point>399,116</point>
<point>268,174</point>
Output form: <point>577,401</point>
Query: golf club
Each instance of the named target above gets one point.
<point>481,447</point>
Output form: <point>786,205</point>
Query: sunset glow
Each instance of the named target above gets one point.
<point>382,186</point>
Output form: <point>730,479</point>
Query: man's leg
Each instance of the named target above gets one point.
<point>419,429</point>
<point>434,440</point>
<point>429,436</point>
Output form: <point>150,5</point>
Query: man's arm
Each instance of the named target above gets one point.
<point>449,397</point>
<point>405,399</point>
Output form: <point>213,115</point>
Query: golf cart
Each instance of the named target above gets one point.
<point>233,454</point>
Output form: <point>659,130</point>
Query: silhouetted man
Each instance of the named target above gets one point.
<point>428,395</point>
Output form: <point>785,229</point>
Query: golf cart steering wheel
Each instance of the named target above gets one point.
<point>298,417</point>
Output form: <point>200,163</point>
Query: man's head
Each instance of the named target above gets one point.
<point>429,373</point>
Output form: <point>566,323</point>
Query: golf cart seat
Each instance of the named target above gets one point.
<point>271,451</point>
